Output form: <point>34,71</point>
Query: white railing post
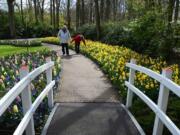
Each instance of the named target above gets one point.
<point>131,81</point>
<point>162,102</point>
<point>26,100</point>
<point>49,79</point>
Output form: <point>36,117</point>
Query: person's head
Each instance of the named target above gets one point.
<point>82,37</point>
<point>64,28</point>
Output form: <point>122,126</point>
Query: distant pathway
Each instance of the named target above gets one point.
<point>88,103</point>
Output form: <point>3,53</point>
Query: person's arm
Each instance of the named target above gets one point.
<point>73,39</point>
<point>69,35</point>
<point>84,40</point>
<point>58,33</point>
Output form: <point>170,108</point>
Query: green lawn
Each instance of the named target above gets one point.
<point>8,49</point>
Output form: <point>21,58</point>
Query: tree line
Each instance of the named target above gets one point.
<point>80,12</point>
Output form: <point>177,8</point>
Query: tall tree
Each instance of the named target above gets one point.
<point>82,12</point>
<point>35,11</point>
<point>54,14</point>
<point>41,7</point>
<point>107,11</point>
<point>102,9</point>
<point>11,18</point>
<point>97,18</point>
<point>68,15</point>
<point>30,10</point>
<point>77,13</point>
<point>51,12</point>
<point>22,13</point>
<point>170,10</point>
<point>176,11</point>
<point>90,11</point>
<point>114,9</point>
<point>57,12</point>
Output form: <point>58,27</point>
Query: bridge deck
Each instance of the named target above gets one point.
<point>91,119</point>
<point>89,104</point>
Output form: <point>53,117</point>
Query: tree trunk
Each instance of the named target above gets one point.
<point>82,12</point>
<point>35,11</point>
<point>90,11</point>
<point>68,15</point>
<point>77,13</point>
<point>30,4</point>
<point>22,13</point>
<point>11,18</point>
<point>42,10</point>
<point>51,12</point>
<point>170,10</point>
<point>107,11</point>
<point>57,12</point>
<point>114,9</point>
<point>54,14</point>
<point>176,11</point>
<point>97,18</point>
<point>102,10</point>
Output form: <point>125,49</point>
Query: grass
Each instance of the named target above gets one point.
<point>8,49</point>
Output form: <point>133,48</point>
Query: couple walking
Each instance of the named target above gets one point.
<point>65,38</point>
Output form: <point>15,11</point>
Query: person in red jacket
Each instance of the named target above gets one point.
<point>77,39</point>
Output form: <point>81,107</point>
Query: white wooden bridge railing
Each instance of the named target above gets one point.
<point>23,88</point>
<point>160,109</point>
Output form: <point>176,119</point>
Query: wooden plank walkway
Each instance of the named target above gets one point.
<point>88,103</point>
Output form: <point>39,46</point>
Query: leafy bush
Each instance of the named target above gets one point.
<point>89,31</point>
<point>4,29</point>
<point>28,29</point>
<point>34,30</point>
<point>21,43</point>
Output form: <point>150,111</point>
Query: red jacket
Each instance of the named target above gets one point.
<point>78,39</point>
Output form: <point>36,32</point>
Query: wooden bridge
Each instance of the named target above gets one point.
<point>87,103</point>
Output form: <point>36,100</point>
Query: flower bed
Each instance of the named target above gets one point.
<point>9,76</point>
<point>21,43</point>
<point>112,60</point>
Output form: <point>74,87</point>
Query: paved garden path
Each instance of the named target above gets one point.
<point>83,81</point>
<point>88,103</point>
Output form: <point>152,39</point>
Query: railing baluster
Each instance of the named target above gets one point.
<point>27,101</point>
<point>49,79</point>
<point>162,103</point>
<point>131,81</point>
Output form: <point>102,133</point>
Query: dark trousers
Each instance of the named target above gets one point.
<point>65,48</point>
<point>77,47</point>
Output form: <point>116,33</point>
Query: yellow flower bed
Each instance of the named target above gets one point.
<point>53,40</point>
<point>113,60</point>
